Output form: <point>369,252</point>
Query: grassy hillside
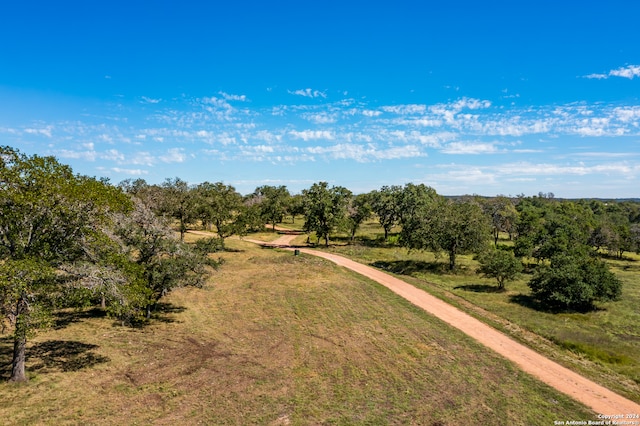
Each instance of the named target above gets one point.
<point>274,339</point>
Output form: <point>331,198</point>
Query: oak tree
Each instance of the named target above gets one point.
<point>49,218</point>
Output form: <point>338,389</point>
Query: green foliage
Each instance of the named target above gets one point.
<point>503,214</point>
<point>219,205</point>
<point>178,202</point>
<point>499,264</point>
<point>155,262</point>
<point>49,218</point>
<point>386,205</point>
<point>414,200</point>
<point>273,203</point>
<point>574,281</point>
<point>563,232</point>
<point>248,218</point>
<point>442,225</point>
<point>325,209</point>
<point>547,227</point>
<point>295,206</point>
<point>615,229</point>
<point>358,210</point>
<point>209,245</point>
<point>28,290</point>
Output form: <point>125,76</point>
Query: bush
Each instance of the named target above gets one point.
<point>499,264</point>
<point>209,245</point>
<point>575,281</point>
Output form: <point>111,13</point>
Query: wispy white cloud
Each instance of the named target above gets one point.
<point>150,100</point>
<point>174,155</point>
<point>469,148</point>
<point>366,153</point>
<point>307,135</point>
<point>410,109</point>
<point>308,93</point>
<point>229,97</point>
<point>629,115</point>
<point>86,155</point>
<point>579,169</point>
<point>45,131</point>
<point>113,155</point>
<point>630,72</point>
<point>130,172</point>
<point>354,130</point>
<point>606,154</point>
<point>141,158</point>
<point>321,118</point>
<point>371,113</point>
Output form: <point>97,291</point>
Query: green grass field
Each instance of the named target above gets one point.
<point>603,345</point>
<point>274,339</point>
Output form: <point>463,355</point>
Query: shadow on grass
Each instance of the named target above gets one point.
<point>377,242</point>
<point>63,355</point>
<point>161,312</point>
<point>226,249</point>
<point>410,267</point>
<point>531,302</point>
<point>64,318</point>
<point>51,356</point>
<point>481,288</point>
<point>164,310</point>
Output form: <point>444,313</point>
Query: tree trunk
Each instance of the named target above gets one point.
<point>19,350</point>
<point>103,302</point>
<point>183,228</point>
<point>452,260</point>
<point>19,345</point>
<point>386,233</point>
<point>326,240</point>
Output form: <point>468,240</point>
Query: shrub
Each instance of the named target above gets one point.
<point>575,281</point>
<point>499,264</point>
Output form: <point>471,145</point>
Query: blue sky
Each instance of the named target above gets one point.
<point>468,97</point>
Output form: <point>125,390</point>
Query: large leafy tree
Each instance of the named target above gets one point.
<point>273,203</point>
<point>49,218</point>
<point>503,215</point>
<point>178,202</point>
<point>499,264</point>
<point>220,205</point>
<point>446,226</point>
<point>386,205</point>
<point>325,209</point>
<point>547,227</point>
<point>414,201</point>
<point>295,206</point>
<point>155,261</point>
<point>574,280</point>
<point>358,210</point>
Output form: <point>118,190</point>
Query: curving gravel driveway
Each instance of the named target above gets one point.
<point>600,399</point>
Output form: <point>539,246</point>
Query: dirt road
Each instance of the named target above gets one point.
<point>600,399</point>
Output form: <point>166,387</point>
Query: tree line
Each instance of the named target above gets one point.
<point>565,239</point>
<point>68,240</point>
